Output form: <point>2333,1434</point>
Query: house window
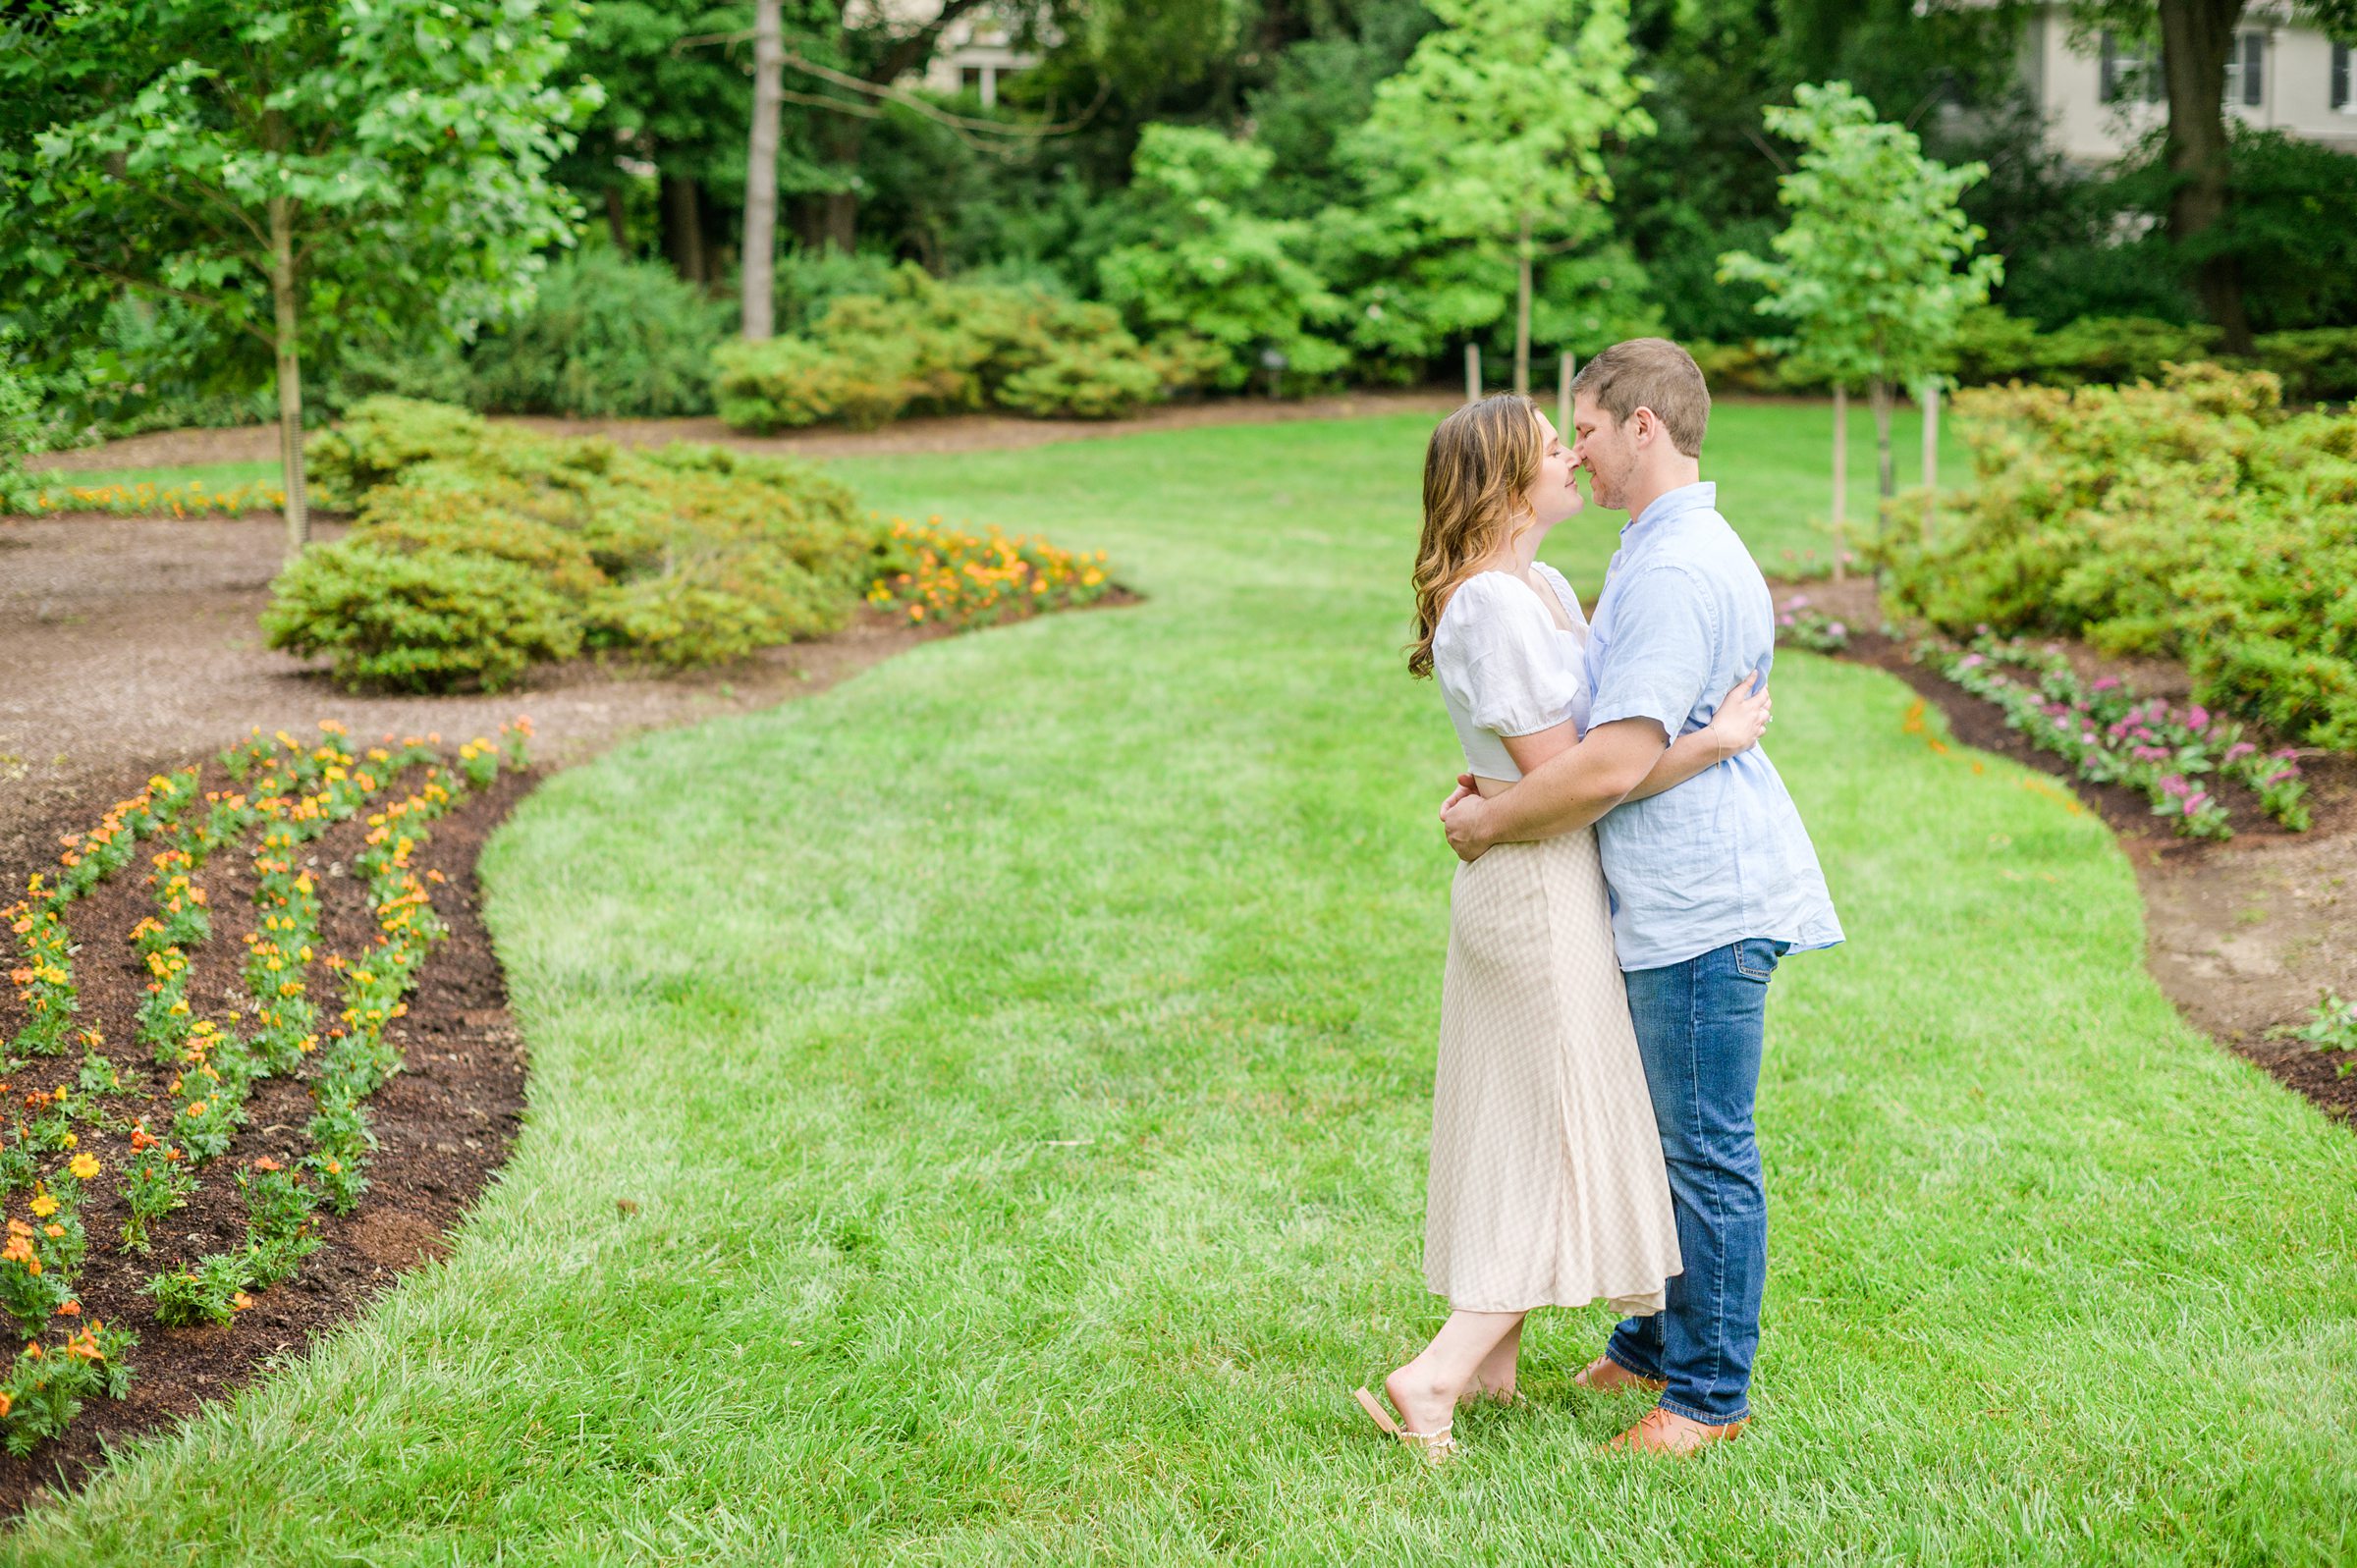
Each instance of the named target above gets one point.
<point>2341,78</point>
<point>2131,75</point>
<point>969,79</point>
<point>2246,70</point>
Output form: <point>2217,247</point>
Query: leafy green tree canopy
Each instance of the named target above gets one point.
<point>302,171</point>
<point>1876,269</point>
<point>1213,268</point>
<point>1495,131</point>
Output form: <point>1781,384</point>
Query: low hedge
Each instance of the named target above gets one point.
<point>479,550</point>
<point>2313,366</point>
<point>928,347</point>
<point>2194,518</point>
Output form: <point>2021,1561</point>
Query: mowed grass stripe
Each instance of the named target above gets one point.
<point>1020,1059</point>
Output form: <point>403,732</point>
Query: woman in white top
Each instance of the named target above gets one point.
<point>1546,1185</point>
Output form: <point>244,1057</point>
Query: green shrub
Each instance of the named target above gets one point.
<point>2195,519</point>
<point>1075,383</point>
<point>786,383</point>
<point>479,550</point>
<point>2114,350</point>
<point>928,347</point>
<point>380,437</point>
<point>606,337</point>
<point>2317,366</point>
<point>422,620</point>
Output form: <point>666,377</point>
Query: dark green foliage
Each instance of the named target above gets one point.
<point>2195,519</point>
<point>2291,224</point>
<point>606,337</point>
<point>481,550</point>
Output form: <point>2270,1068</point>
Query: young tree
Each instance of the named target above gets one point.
<point>1876,267</point>
<point>1211,268</point>
<point>300,170</point>
<point>1495,131</point>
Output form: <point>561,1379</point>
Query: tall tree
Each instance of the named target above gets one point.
<point>761,170</point>
<point>296,170</point>
<point>2198,39</point>
<point>1876,268</point>
<point>1495,131</point>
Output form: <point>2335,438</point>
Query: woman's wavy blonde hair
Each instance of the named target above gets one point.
<point>1481,462</point>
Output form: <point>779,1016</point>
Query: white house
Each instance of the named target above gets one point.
<point>2101,93</point>
<point>976,52</point>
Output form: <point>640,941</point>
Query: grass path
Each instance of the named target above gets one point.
<point>1020,1058</point>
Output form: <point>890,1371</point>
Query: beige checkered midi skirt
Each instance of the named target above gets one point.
<point>1546,1185</point>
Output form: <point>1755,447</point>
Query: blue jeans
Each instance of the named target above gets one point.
<point>1699,1030</point>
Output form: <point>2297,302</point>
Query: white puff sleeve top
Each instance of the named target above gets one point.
<point>1504,668</point>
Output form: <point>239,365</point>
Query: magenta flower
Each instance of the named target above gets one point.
<point>1834,629</point>
<point>2107,684</point>
<point>2239,750</point>
<point>2198,717</point>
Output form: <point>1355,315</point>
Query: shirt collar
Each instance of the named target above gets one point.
<point>1702,496</point>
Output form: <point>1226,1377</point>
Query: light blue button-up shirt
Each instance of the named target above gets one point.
<point>1723,856</point>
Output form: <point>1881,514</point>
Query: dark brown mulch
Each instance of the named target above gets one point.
<point>444,1123</point>
<point>2245,934</point>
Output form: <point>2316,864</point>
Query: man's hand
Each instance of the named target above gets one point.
<point>1462,817</point>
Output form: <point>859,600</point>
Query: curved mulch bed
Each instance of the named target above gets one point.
<point>2243,934</point>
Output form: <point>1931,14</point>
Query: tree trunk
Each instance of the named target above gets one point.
<point>1927,397</point>
<point>288,324</point>
<point>1841,481</point>
<point>1879,393</point>
<point>841,221</point>
<point>761,172</point>
<point>1522,268</point>
<point>2197,36</point>
<point>617,220</point>
<point>683,228</point>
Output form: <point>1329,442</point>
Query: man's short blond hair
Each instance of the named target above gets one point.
<point>1650,373</point>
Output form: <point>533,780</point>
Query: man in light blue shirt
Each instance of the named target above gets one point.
<point>1713,881</point>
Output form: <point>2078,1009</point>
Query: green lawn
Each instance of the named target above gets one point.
<point>1020,1058</point>
<point>212,475</point>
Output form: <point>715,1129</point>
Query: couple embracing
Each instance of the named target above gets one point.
<point>1632,872</point>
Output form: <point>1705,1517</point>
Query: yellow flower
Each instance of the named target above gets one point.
<point>84,1165</point>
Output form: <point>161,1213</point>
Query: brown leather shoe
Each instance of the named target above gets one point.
<point>1665,1432</point>
<point>1607,1376</point>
